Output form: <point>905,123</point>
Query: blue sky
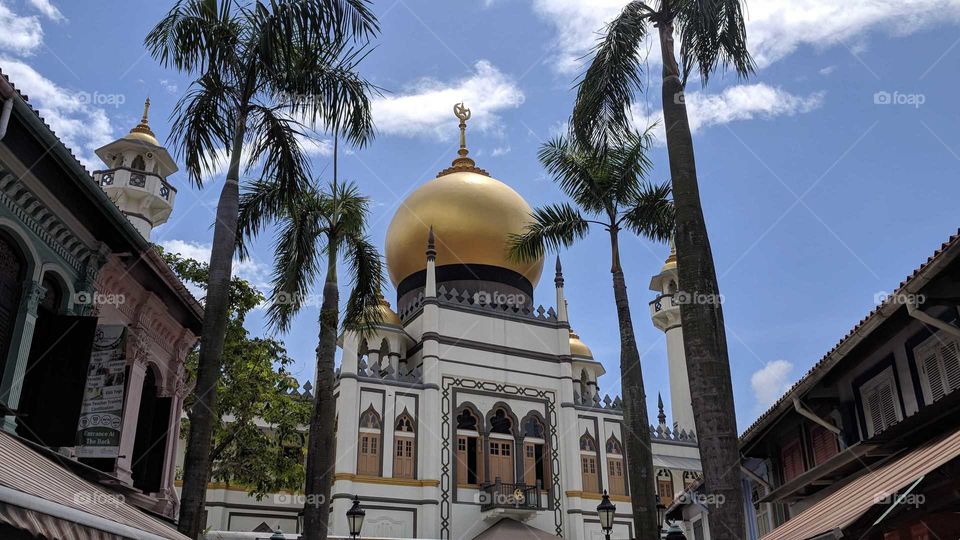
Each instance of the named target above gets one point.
<point>817,197</point>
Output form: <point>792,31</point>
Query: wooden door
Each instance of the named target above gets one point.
<point>588,466</point>
<point>368,459</point>
<point>469,460</point>
<point>403,457</point>
<point>501,461</point>
<point>529,464</point>
<point>615,471</point>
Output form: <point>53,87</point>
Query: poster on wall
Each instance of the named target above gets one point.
<point>101,415</point>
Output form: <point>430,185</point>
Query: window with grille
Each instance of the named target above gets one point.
<point>881,406</point>
<point>938,361</point>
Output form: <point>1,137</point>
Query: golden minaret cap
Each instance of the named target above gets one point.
<point>671,261</point>
<point>144,126</point>
<point>462,163</point>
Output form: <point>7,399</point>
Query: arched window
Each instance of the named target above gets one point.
<point>469,457</point>
<point>501,423</point>
<point>616,468</point>
<point>665,487</point>
<point>405,447</point>
<point>53,294</point>
<point>672,287</point>
<point>138,163</point>
<point>12,271</point>
<point>368,456</point>
<point>589,468</point>
<point>584,387</point>
<point>614,446</point>
<point>536,465</point>
<point>689,477</point>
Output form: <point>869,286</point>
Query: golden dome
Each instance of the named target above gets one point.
<point>577,347</point>
<point>671,261</point>
<point>388,316</point>
<point>142,131</point>
<point>472,215</point>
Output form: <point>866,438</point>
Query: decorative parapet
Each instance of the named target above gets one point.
<point>479,300</point>
<point>661,433</point>
<point>385,372</point>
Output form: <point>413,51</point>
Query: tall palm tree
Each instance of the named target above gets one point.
<point>609,190</point>
<point>315,233</point>
<point>264,70</point>
<point>712,34</point>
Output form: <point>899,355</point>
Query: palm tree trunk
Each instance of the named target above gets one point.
<point>704,340</point>
<point>637,432</point>
<point>321,445</point>
<point>197,461</point>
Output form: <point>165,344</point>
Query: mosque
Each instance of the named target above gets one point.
<point>472,409</point>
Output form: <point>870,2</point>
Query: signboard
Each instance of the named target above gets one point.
<point>101,415</point>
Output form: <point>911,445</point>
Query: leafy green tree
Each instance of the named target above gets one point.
<point>259,65</point>
<point>609,190</point>
<point>320,229</point>
<point>712,34</point>
<point>258,438</point>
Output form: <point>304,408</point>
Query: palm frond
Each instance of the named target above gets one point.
<point>366,266</point>
<point>552,227</point>
<point>629,165</point>
<point>605,91</point>
<point>194,34</point>
<point>274,140</point>
<point>579,172</point>
<point>260,203</point>
<point>203,125</point>
<point>651,213</point>
<point>712,34</point>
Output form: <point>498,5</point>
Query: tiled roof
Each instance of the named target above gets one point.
<point>867,324</point>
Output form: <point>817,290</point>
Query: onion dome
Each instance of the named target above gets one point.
<point>577,347</point>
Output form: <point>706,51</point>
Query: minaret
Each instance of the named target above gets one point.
<point>136,176</point>
<point>665,312</point>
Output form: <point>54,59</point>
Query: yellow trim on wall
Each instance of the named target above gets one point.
<point>597,496</point>
<point>365,479</point>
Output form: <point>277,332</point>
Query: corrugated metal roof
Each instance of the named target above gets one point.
<point>842,507</point>
<point>866,324</point>
<point>25,470</point>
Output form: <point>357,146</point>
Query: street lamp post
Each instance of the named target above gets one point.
<point>661,513</point>
<point>355,517</point>
<point>606,510</point>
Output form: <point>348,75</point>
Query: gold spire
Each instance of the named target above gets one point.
<point>142,130</point>
<point>462,163</point>
<point>671,261</point>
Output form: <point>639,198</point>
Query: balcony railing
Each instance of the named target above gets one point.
<point>146,181</point>
<point>510,496</point>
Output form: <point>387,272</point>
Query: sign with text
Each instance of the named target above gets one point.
<point>101,416</point>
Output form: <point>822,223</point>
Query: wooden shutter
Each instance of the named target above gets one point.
<point>615,474</point>
<point>792,458</point>
<point>951,364</point>
<point>920,531</point>
<point>529,464</point>
<point>824,444</point>
<point>588,466</point>
<point>880,406</point>
<point>940,367</point>
<point>403,457</point>
<point>368,459</point>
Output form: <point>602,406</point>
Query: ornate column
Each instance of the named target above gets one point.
<point>11,384</point>
<point>430,458</point>
<point>137,352</point>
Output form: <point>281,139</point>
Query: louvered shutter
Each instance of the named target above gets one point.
<point>951,365</point>
<point>792,457</point>
<point>880,405</point>
<point>930,365</point>
<point>824,444</point>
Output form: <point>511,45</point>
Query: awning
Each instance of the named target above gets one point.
<point>844,506</point>
<point>676,462</point>
<point>509,529</point>
<point>42,497</point>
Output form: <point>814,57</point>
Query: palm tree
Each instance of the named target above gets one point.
<point>315,232</point>
<point>259,66</point>
<point>609,188</point>
<point>711,34</point>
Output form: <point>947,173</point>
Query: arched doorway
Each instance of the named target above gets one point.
<point>150,444</point>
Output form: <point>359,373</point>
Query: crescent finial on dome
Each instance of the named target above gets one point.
<point>462,162</point>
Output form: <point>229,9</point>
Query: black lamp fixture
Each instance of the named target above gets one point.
<point>661,513</point>
<point>606,510</point>
<point>278,535</point>
<point>674,533</point>
<point>355,517</point>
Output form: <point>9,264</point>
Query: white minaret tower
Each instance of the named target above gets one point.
<point>665,312</point>
<point>136,176</point>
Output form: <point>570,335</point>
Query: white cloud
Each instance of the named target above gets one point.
<point>169,86</point>
<point>740,102</point>
<point>771,381</point>
<point>775,28</point>
<point>80,125</point>
<point>20,34</point>
<point>827,70</point>
<point>256,273</point>
<point>426,107</point>
<point>500,150</point>
<point>47,8</point>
